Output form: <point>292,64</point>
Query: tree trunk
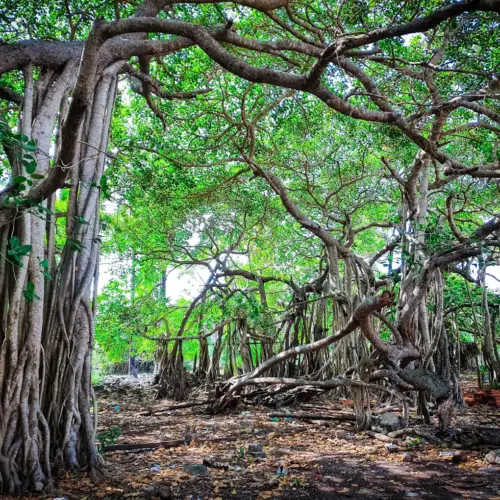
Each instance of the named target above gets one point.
<point>47,323</point>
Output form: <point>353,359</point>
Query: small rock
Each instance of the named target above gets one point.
<point>493,457</point>
<point>164,493</point>
<point>407,457</point>
<point>339,434</point>
<point>256,450</point>
<point>389,421</point>
<point>391,448</point>
<point>196,470</point>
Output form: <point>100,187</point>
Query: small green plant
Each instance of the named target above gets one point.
<point>107,438</point>
<point>415,441</point>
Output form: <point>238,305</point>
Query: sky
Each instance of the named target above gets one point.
<point>187,284</point>
<point>180,284</point>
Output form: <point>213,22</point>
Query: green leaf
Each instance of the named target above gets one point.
<point>19,179</point>
<point>30,169</point>
<point>14,242</point>
<point>24,250</point>
<point>29,293</point>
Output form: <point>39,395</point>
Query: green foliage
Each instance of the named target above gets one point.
<point>120,323</point>
<point>466,338</point>
<point>17,251</point>
<point>415,441</point>
<point>107,438</point>
<point>184,192</point>
<point>29,293</point>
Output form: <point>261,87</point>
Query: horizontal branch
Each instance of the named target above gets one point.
<point>163,444</point>
<point>156,86</point>
<point>322,384</point>
<point>367,307</point>
<point>9,95</point>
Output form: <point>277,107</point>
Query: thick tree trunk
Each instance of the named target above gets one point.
<point>490,353</point>
<point>47,326</point>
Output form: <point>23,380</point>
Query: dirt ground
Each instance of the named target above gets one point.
<point>303,459</point>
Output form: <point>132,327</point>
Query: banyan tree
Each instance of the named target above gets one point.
<point>62,66</point>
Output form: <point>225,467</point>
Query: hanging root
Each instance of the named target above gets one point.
<point>361,396</point>
<point>361,401</point>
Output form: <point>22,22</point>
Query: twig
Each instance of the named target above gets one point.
<point>411,431</point>
<point>314,416</point>
<point>162,444</point>
<point>177,407</point>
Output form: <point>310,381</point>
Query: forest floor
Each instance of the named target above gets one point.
<point>322,459</point>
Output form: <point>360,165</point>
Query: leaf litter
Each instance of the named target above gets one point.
<point>299,459</point>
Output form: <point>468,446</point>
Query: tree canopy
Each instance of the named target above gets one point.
<point>329,170</point>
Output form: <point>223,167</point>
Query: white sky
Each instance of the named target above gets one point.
<point>187,284</point>
<point>180,283</point>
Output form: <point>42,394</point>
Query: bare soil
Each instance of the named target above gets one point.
<point>322,459</point>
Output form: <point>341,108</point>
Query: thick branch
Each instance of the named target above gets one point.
<point>367,307</point>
